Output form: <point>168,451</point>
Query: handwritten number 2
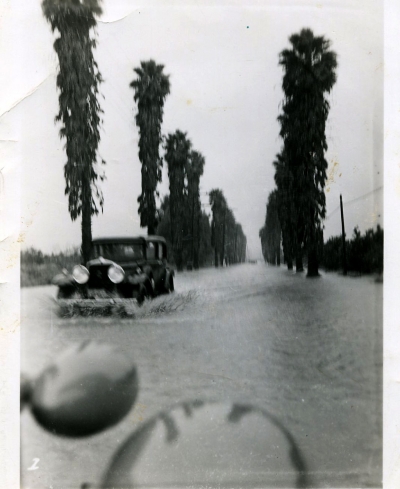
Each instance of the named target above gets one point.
<point>34,466</point>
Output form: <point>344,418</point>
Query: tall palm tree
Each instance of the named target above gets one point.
<point>309,75</point>
<point>79,112</point>
<point>151,89</point>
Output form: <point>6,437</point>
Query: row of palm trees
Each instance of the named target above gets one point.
<point>185,167</point>
<point>296,208</point>
<point>228,239</point>
<point>78,82</point>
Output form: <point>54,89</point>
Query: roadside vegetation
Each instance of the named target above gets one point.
<point>227,236</point>
<point>364,253</point>
<point>38,268</point>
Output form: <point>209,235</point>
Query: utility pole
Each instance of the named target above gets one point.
<point>343,238</point>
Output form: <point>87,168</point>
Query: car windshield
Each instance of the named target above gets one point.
<point>128,251</point>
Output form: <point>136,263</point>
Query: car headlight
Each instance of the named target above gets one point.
<point>80,274</point>
<point>116,274</point>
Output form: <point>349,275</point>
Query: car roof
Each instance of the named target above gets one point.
<point>128,239</point>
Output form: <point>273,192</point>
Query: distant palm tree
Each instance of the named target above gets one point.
<point>177,154</point>
<point>273,229</point>
<point>78,81</point>
<point>218,207</point>
<point>151,88</point>
<point>194,171</point>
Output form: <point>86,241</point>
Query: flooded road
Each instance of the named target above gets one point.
<point>309,351</point>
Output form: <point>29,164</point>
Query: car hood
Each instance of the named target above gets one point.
<point>100,261</point>
<point>105,261</point>
<point>205,444</point>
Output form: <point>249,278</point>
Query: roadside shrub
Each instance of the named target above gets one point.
<point>364,253</point>
<point>332,254</point>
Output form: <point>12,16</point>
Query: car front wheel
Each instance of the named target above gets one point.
<point>65,293</point>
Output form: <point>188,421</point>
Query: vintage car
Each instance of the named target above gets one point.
<point>125,268</point>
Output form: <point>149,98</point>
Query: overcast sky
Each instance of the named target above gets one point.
<point>225,93</point>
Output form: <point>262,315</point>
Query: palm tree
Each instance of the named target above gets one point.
<point>287,213</point>
<point>309,74</point>
<point>194,171</point>
<point>78,81</point>
<point>164,220</point>
<point>151,89</point>
<point>177,154</point>
<point>218,208</point>
<point>270,233</point>
<point>240,244</point>
<point>263,238</point>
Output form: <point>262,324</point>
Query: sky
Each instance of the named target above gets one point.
<point>222,59</point>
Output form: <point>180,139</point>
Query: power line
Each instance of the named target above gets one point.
<point>354,200</point>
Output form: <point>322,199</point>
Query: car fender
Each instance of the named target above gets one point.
<point>64,280</point>
<point>168,273</point>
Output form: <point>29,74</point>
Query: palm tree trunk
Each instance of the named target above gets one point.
<point>299,261</point>
<point>312,262</point>
<point>216,257</point>
<point>196,258</point>
<point>312,248</point>
<point>86,225</point>
<point>179,259</point>
<point>312,257</point>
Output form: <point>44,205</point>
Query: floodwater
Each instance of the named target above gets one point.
<point>309,351</point>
